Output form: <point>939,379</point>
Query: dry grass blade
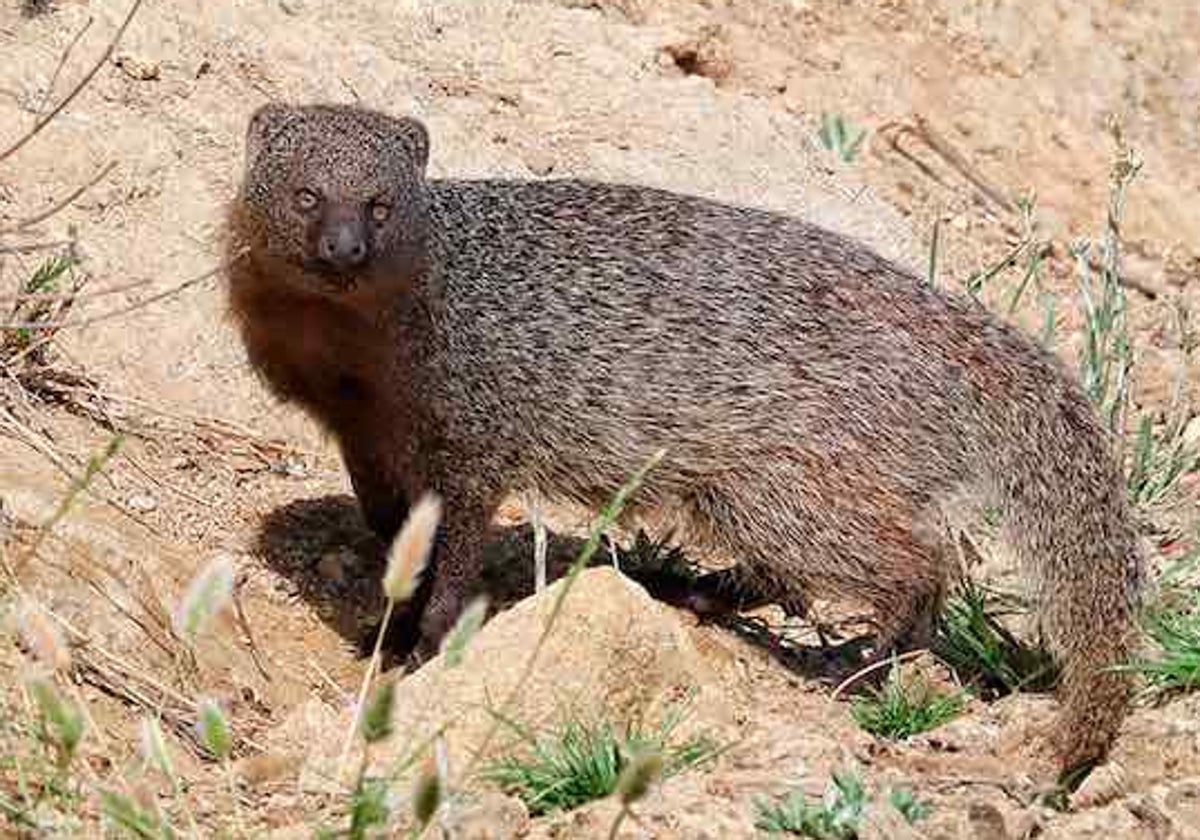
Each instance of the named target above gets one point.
<point>94,293</point>
<point>115,313</point>
<point>75,91</point>
<point>64,203</point>
<point>62,62</point>
<point>178,713</point>
<point>32,248</point>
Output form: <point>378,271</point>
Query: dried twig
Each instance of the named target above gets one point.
<point>964,167</point>
<point>255,653</point>
<point>94,293</point>
<point>65,203</point>
<point>62,62</point>
<point>33,247</point>
<point>872,668</point>
<point>923,131</point>
<point>75,91</point>
<point>115,313</point>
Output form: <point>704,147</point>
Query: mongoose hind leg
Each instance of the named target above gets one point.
<point>866,543</point>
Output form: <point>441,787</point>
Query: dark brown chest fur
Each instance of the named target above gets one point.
<point>331,356</point>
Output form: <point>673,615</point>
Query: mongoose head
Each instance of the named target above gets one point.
<point>337,192</point>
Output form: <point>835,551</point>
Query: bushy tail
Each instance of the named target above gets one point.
<point>1070,522</point>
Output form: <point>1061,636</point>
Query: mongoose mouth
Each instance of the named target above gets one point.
<point>329,278</point>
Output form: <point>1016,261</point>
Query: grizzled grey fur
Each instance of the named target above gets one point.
<point>817,402</point>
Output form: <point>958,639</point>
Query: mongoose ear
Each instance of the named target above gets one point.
<point>265,122</point>
<point>416,138</point>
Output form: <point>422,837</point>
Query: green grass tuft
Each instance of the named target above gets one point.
<point>971,639</point>
<point>580,761</point>
<point>839,135</point>
<point>1172,626</point>
<point>838,816</point>
<point>902,708</point>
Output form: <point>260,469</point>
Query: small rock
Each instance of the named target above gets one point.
<point>888,824</point>
<point>1150,814</point>
<point>540,163</point>
<point>289,467</point>
<point>707,55</point>
<point>182,462</point>
<point>292,7</point>
<point>985,822</point>
<point>491,816</point>
<point>142,502</point>
<point>1191,432</point>
<point>1103,785</point>
<point>262,769</point>
<point>138,69</point>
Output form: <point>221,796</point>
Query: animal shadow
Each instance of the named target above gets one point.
<point>324,547</point>
<point>336,563</point>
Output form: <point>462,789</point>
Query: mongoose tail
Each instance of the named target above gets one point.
<point>1067,517</point>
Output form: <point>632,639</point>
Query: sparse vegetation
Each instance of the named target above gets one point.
<point>839,135</point>
<point>581,760</point>
<point>838,816</point>
<point>1172,627</point>
<point>903,708</point>
<point>972,639</point>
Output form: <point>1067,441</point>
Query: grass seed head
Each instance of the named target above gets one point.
<point>427,795</point>
<point>410,550</point>
<point>207,596</point>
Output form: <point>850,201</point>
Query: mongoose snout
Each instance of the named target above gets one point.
<point>343,238</point>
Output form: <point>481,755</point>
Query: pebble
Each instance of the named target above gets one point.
<point>142,502</point>
<point>540,163</point>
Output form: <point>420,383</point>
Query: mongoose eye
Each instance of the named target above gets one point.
<point>306,199</point>
<point>380,212</point>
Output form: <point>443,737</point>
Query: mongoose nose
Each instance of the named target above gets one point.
<point>343,247</point>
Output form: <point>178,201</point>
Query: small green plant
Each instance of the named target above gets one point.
<point>901,709</point>
<point>905,801</point>
<point>838,135</point>
<point>1029,252</point>
<point>62,723</point>
<point>971,639</point>
<point>1172,626</point>
<point>838,816</point>
<point>583,760</point>
<point>133,819</point>
<point>1107,355</point>
<point>44,280</point>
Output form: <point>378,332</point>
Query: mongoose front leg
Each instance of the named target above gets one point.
<point>456,568</point>
<point>383,502</point>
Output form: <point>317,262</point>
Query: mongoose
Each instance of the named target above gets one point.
<point>817,402</point>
